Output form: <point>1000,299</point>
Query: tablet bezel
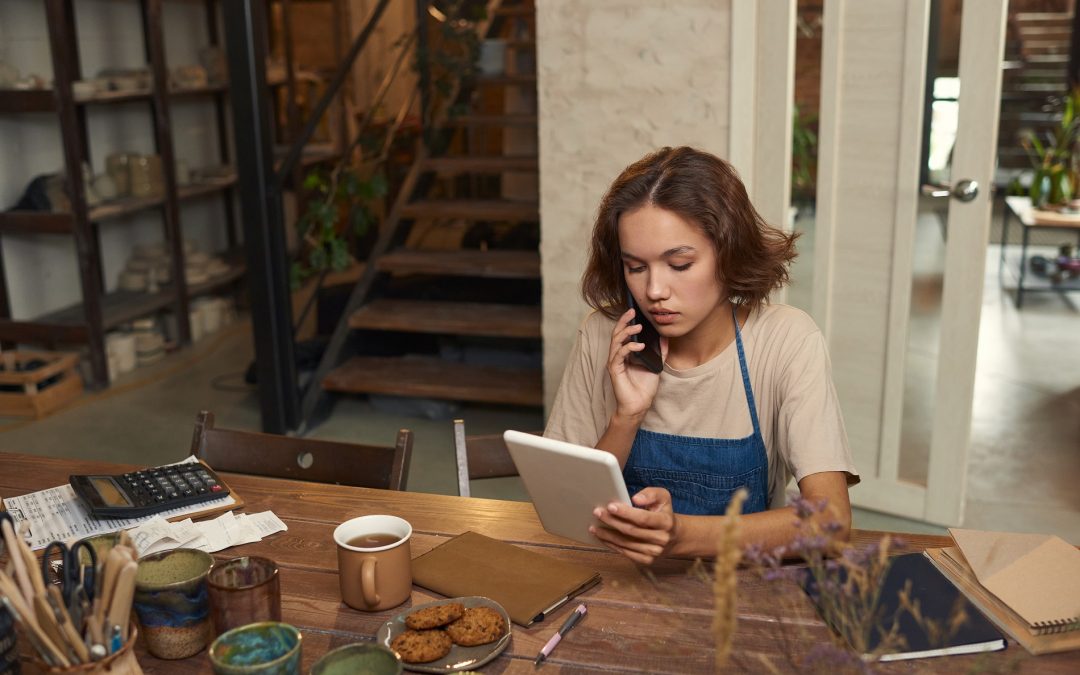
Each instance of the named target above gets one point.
<point>566,482</point>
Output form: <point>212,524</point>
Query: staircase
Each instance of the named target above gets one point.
<point>1036,69</point>
<point>475,302</point>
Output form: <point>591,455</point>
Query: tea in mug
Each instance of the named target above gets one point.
<point>373,540</point>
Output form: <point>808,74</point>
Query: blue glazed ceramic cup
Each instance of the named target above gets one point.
<point>172,602</point>
<point>9,654</point>
<point>267,648</point>
<point>363,657</point>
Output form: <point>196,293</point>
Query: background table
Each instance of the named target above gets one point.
<point>633,625</point>
<point>1020,209</point>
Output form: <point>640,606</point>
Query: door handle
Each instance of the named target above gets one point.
<point>965,190</point>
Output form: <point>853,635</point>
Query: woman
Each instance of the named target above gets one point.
<point>745,398</point>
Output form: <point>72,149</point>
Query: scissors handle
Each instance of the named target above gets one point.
<point>86,575</point>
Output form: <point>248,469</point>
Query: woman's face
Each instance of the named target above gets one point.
<point>670,268</point>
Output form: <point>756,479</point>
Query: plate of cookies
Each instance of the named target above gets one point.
<point>446,636</point>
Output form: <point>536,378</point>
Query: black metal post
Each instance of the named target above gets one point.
<point>261,213</point>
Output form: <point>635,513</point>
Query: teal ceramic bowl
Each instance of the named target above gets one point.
<point>267,648</point>
<point>363,658</point>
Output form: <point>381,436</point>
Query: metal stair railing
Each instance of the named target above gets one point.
<point>331,356</point>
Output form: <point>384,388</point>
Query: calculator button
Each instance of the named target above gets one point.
<point>160,499</point>
<point>215,488</point>
<point>187,492</point>
<point>172,494</point>
<point>201,490</point>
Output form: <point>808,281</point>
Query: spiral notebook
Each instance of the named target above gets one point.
<point>950,562</point>
<point>1035,575</point>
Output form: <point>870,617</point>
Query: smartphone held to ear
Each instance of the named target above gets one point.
<point>649,357</point>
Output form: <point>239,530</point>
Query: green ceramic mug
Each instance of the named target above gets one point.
<point>364,658</point>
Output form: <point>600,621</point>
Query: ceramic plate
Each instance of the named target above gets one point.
<point>459,658</point>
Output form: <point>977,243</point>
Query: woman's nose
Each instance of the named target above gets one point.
<point>657,288</point>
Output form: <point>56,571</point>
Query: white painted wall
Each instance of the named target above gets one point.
<point>42,273</point>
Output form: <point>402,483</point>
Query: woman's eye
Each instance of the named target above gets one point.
<point>681,268</point>
<point>635,270</point>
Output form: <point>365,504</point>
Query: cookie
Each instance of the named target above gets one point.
<point>478,626</point>
<point>433,617</point>
<point>421,646</point>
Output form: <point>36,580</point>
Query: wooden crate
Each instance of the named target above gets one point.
<point>23,394</point>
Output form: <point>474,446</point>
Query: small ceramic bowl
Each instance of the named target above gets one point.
<point>363,657</point>
<point>267,648</point>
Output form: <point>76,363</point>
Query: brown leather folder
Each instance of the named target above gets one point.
<point>528,585</point>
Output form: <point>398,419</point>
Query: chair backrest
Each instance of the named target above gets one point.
<point>373,466</point>
<point>483,456</point>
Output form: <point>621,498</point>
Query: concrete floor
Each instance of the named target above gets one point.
<point>1025,448</point>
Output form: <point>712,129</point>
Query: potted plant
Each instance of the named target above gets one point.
<point>1054,158</point>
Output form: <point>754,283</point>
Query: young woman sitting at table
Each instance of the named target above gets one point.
<point>745,397</point>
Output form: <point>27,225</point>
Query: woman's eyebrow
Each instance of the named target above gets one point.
<point>678,250</point>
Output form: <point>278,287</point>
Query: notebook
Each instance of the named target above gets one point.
<point>1036,575</point>
<point>937,599</point>
<point>527,584</point>
<point>951,563</point>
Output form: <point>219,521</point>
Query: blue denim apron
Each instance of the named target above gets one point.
<point>702,474</point>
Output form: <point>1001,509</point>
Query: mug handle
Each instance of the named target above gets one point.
<point>367,582</point>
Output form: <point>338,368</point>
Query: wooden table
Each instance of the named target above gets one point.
<point>632,625</point>
<point>1020,209</point>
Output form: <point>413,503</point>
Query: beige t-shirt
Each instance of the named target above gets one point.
<point>790,376</point>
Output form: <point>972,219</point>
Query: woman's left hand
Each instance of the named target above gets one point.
<point>643,532</point>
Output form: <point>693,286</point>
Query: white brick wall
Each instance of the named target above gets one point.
<point>617,79</point>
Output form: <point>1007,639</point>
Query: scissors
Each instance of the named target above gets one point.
<point>77,581</point>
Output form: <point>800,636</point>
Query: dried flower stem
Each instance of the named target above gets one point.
<point>725,580</point>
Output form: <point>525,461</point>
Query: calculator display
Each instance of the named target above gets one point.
<point>108,492</point>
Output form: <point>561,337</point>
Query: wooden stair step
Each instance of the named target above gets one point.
<point>512,120</point>
<point>506,78</point>
<point>482,164</point>
<point>455,318</point>
<point>473,209</point>
<point>1047,58</point>
<point>499,264</point>
<point>430,377</point>
<point>515,10</point>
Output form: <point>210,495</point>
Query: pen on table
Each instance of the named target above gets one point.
<point>570,622</point>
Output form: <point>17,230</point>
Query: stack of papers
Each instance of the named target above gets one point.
<point>227,530</point>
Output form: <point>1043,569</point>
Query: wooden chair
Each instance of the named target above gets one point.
<point>372,466</point>
<point>481,456</point>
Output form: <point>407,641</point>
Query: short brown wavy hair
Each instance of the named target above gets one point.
<point>752,256</point>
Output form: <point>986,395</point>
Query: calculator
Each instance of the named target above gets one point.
<point>144,493</point>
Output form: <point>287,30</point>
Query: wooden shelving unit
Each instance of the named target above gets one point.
<point>98,311</point>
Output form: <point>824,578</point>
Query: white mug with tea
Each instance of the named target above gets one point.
<point>374,562</point>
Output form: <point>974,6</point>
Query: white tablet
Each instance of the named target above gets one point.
<point>566,482</point>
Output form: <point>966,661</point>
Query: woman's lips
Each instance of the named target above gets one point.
<point>664,318</point>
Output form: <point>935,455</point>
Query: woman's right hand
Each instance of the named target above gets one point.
<point>635,386</point>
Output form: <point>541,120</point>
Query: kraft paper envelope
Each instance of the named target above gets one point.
<point>527,584</point>
<point>1036,575</point>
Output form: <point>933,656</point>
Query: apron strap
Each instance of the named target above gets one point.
<point>745,373</point>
